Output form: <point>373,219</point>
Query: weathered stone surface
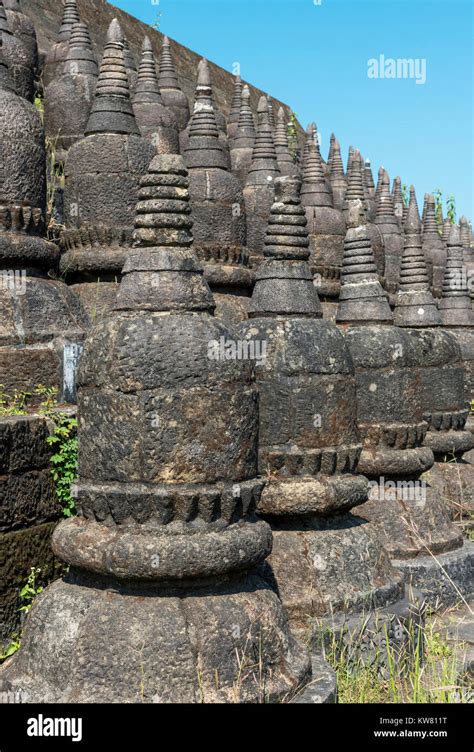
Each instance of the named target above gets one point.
<point>414,304</point>
<point>337,177</point>
<point>157,123</point>
<point>444,578</point>
<point>166,495</point>
<point>386,221</point>
<point>259,191</point>
<point>18,57</point>
<point>286,163</point>
<point>308,440</point>
<point>103,172</point>
<point>355,191</point>
<point>433,248</point>
<point>241,146</point>
<point>217,203</point>
<point>68,98</point>
<point>19,551</point>
<point>57,52</point>
<point>454,481</point>
<point>455,305</point>
<point>326,225</point>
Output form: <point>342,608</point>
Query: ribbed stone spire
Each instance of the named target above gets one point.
<point>284,283</point>
<point>433,247</point>
<point>259,191</point>
<point>271,114</point>
<point>386,222</point>
<point>455,305</point>
<point>233,121</point>
<point>163,238</point>
<point>112,110</point>
<point>350,157</point>
<point>337,177</point>
<point>380,181</point>
<point>80,57</point>
<point>369,188</point>
<point>285,161</point>
<point>415,306</point>
<point>425,206</point>
<point>310,137</point>
<point>446,230</point>
<point>157,123</point>
<point>241,147</point>
<point>147,88</point>
<point>332,142</point>
<point>264,158</point>
<point>204,148</point>
<point>314,181</point>
<point>355,185</point>
<point>170,89</point>
<point>70,17</point>
<point>398,200</point>
<point>464,232</point>
<point>362,299</point>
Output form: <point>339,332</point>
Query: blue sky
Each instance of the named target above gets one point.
<point>313,54</point>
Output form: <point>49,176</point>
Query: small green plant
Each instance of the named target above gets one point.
<point>293,136</point>
<point>64,460</point>
<point>405,194</point>
<point>30,590</point>
<point>438,197</point>
<point>12,404</point>
<point>11,649</point>
<point>451,209</point>
<point>39,104</point>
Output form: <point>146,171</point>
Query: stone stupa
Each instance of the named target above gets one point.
<point>156,122</point>
<point>259,191</point>
<point>286,163</point>
<point>41,320</point>
<point>236,105</point>
<point>171,92</point>
<point>57,54</point>
<point>337,178</point>
<point>68,98</point>
<point>103,172</point>
<point>162,554</point>
<point>241,146</point>
<point>326,227</point>
<point>433,248</point>
<point>326,561</point>
<point>218,207</point>
<point>387,223</point>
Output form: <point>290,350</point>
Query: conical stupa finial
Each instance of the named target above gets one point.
<point>415,306</point>
<point>204,148</point>
<point>162,241</point>
<point>246,124</point>
<point>429,221</point>
<point>464,230</point>
<point>112,110</point>
<point>332,141</point>
<point>285,161</point>
<point>355,187</point>
<point>70,17</point>
<point>284,283</point>
<point>314,181</point>
<point>264,158</point>
<point>235,107</point>
<point>147,89</point>
<point>337,166</point>
<point>80,57</point>
<point>385,208</point>
<point>167,78</point>
<point>455,305</point>
<point>362,299</point>
<point>446,230</point>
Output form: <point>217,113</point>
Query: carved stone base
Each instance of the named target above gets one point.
<point>320,567</point>
<point>85,642</point>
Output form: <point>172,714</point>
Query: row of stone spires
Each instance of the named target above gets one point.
<point>197,512</point>
<point>313,464</point>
